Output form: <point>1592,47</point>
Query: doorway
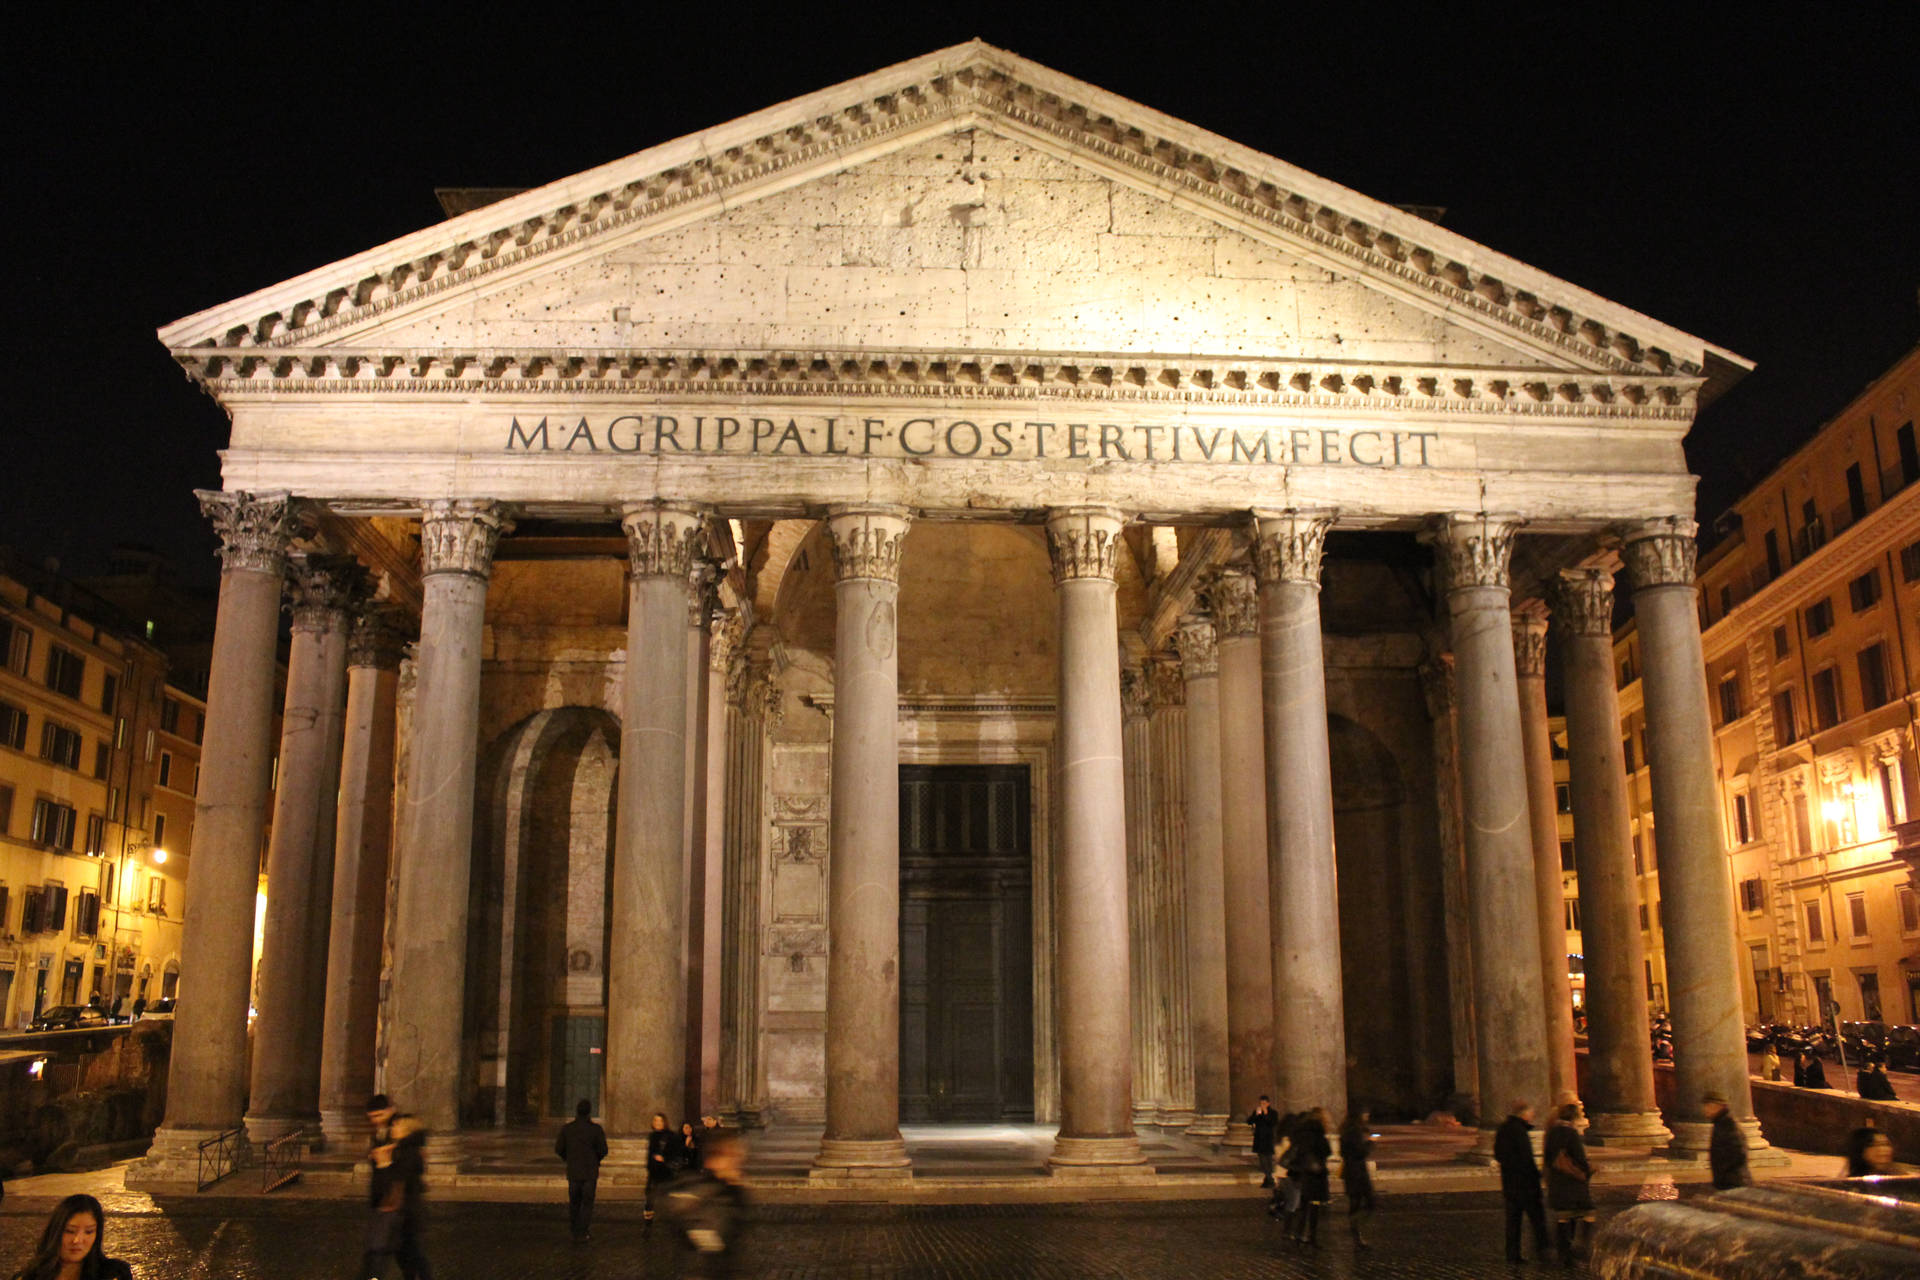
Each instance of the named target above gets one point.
<point>966,944</point>
<point>579,1047</point>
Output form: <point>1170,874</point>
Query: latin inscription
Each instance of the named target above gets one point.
<point>1020,440</point>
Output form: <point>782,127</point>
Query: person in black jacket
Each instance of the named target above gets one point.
<point>660,1145</point>
<point>396,1191</point>
<point>583,1145</point>
<point>1569,1180</point>
<point>1307,1166</point>
<point>1356,1145</point>
<point>1266,1124</point>
<point>1520,1180</point>
<point>1873,1085</point>
<point>708,1208</point>
<point>1727,1149</point>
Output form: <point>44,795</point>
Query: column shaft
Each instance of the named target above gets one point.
<point>863,872</point>
<point>1436,683</point>
<point>647,970</point>
<point>1243,827</point>
<point>1174,1063</point>
<point>1206,884</point>
<point>700,1015</point>
<point>285,1092</point>
<point>1556,987</point>
<point>1136,755</point>
<point>1309,1013</point>
<point>207,1081</point>
<point>1696,894</point>
<point>1090,910</point>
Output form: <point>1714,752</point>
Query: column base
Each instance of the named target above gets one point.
<point>1693,1138</point>
<point>345,1130</point>
<point>1205,1126</point>
<point>265,1129</point>
<point>1176,1117</point>
<point>1145,1113</point>
<point>862,1157</point>
<point>1239,1134</point>
<point>1627,1129</point>
<point>173,1161</point>
<point>1101,1158</point>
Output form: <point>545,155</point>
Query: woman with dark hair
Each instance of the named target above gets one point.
<point>73,1246</point>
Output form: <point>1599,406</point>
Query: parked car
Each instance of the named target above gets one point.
<point>159,1010</point>
<point>1863,1039</point>
<point>68,1017</point>
<point>1903,1048</point>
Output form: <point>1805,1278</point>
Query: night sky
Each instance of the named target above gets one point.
<point>1748,179</point>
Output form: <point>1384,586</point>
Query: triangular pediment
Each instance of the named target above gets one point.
<point>966,204</point>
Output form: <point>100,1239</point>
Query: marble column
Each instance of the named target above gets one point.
<point>1090,909</point>
<point>363,839</point>
<point>702,599</point>
<point>709,856</point>
<point>426,1004</point>
<point>1173,1064</point>
<point>1696,894</point>
<point>646,1069</point>
<point>1436,685</point>
<point>207,1079</point>
<point>1619,1088</point>
<point>1206,884</point>
<point>751,703</point>
<point>1243,849</point>
<point>1505,922</point>
<point>285,1090</point>
<point>1136,756</point>
<point>1309,1012</point>
<point>1556,988</point>
<point>863,871</point>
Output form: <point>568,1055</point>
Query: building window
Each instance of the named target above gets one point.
<point>1909,456</point>
<point>86,914</point>
<point>1816,925</point>
<point>52,823</point>
<point>1823,996</point>
<point>65,670</point>
<point>159,830</point>
<point>199,727</point>
<point>13,727</point>
<point>1780,643</point>
<point>1626,751</point>
<point>6,814</point>
<point>1856,492</point>
<point>1562,798</point>
<point>60,744</point>
<point>1857,914</point>
<point>1644,924</point>
<point>1566,855</point>
<point>149,752</point>
<point>1730,699</point>
<point>1872,662</point>
<point>1813,530</point>
<point>1639,862</point>
<point>102,760</point>
<point>1773,554</point>
<point>1785,731</point>
<point>109,692</point>
<point>1826,698</point>
<point>113,804</point>
<point>1742,819</point>
<point>96,834</point>
<point>1910,562</point>
<point>1891,799</point>
<point>1869,996</point>
<point>166,769</point>
<point>1909,910</point>
<point>1820,618</point>
<point>1864,591</point>
<point>1573,915</point>
<point>170,716</point>
<point>1753,894</point>
<point>16,643</point>
<point>157,894</point>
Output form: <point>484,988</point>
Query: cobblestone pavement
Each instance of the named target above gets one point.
<point>1414,1235</point>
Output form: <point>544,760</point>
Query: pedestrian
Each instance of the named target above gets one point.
<point>691,1150</point>
<point>139,1007</point>
<point>1265,1122</point>
<point>1810,1072</point>
<point>583,1145</point>
<point>1356,1178</point>
<point>1308,1169</point>
<point>1873,1085</point>
<point>119,1005</point>
<point>1727,1149</point>
<point>1771,1062</point>
<point>73,1245</point>
<point>1854,1151</point>
<point>1569,1181</point>
<point>1286,1191</point>
<point>708,1208</point>
<point>659,1161</point>
<point>396,1191</point>
<point>1520,1180</point>
<point>1879,1159</point>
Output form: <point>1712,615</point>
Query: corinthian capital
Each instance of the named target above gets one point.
<point>1235,601</point>
<point>1660,553</point>
<point>867,541</point>
<point>1084,542</point>
<point>1474,550</point>
<point>380,635</point>
<point>458,535</point>
<point>1582,601</point>
<point>1530,640</point>
<point>1136,694</point>
<point>663,538</point>
<point>1287,547</point>
<point>320,590</point>
<point>1199,652</point>
<point>254,528</point>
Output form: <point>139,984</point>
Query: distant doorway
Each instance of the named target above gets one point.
<point>579,1046</point>
<point>966,944</point>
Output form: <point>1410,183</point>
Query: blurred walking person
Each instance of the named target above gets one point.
<point>1356,1178</point>
<point>708,1208</point>
<point>1307,1167</point>
<point>396,1192</point>
<point>1569,1182</point>
<point>583,1145</point>
<point>1520,1180</point>
<point>1727,1148</point>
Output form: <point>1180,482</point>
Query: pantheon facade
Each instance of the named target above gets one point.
<point>956,598</point>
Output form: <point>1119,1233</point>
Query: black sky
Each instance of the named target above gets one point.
<point>1749,179</point>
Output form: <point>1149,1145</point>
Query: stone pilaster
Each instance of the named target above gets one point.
<point>1090,911</point>
<point>426,1004</point>
<point>863,873</point>
<point>1696,895</point>
<point>285,1090</point>
<point>1619,1089</point>
<point>1309,1013</point>
<point>208,1084</point>
<point>1501,901</point>
<point>646,1069</point>
<point>1206,882</point>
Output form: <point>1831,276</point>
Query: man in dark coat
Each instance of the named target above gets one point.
<point>1520,1180</point>
<point>1727,1149</point>
<point>396,1192</point>
<point>583,1145</point>
<point>1266,1126</point>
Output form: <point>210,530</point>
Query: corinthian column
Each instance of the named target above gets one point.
<point>1309,1016</point>
<point>1206,884</point>
<point>646,1069</point>
<point>1619,1091</point>
<point>1508,1007</point>
<point>1243,848</point>
<point>363,838</point>
<point>703,586</point>
<point>427,999</point>
<point>1136,760</point>
<point>1090,909</point>
<point>285,1092</point>
<point>207,1083</point>
<point>1696,895</point>
<point>1556,990</point>
<point>863,874</point>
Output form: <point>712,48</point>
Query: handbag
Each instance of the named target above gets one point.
<point>1563,1163</point>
